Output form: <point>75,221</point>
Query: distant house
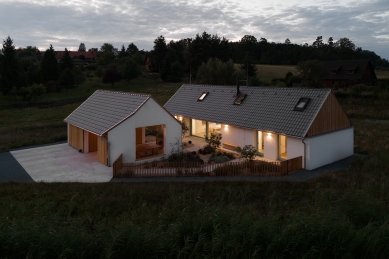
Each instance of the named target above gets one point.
<point>281,123</point>
<point>118,123</point>
<point>349,72</point>
<point>79,58</point>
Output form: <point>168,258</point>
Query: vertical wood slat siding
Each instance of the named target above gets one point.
<point>76,138</point>
<point>92,142</point>
<point>102,150</point>
<point>331,117</point>
<point>138,133</point>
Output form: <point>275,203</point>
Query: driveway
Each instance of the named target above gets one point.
<point>62,163</point>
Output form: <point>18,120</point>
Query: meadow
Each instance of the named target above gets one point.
<point>343,214</point>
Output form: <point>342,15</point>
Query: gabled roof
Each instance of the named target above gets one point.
<point>103,110</point>
<point>342,66</point>
<point>264,108</point>
<point>86,54</point>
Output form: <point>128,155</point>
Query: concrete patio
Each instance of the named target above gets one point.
<point>62,163</point>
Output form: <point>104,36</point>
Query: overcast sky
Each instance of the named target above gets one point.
<point>67,23</point>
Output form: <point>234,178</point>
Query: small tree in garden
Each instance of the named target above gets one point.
<point>214,140</point>
<point>184,128</point>
<point>248,152</point>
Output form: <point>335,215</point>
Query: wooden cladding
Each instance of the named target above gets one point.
<point>92,142</point>
<point>102,149</point>
<point>331,117</point>
<point>76,137</point>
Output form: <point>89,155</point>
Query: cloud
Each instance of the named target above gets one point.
<point>68,23</point>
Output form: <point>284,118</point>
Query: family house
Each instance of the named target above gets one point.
<point>282,123</point>
<point>348,72</point>
<point>114,123</point>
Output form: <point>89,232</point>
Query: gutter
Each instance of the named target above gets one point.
<point>305,154</point>
<point>108,156</point>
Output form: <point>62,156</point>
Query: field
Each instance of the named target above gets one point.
<point>344,214</point>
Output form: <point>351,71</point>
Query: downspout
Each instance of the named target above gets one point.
<point>106,141</point>
<point>305,154</point>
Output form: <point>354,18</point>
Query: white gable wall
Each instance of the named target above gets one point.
<point>328,148</point>
<point>122,138</point>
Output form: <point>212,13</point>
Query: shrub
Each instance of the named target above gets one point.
<point>220,159</point>
<point>207,150</point>
<point>214,140</point>
<point>248,152</point>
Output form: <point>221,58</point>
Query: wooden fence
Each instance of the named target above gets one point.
<point>186,169</point>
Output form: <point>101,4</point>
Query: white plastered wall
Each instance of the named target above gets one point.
<point>237,136</point>
<point>122,137</point>
<point>295,148</point>
<point>328,148</point>
<point>271,146</point>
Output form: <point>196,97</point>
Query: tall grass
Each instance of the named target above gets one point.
<point>341,215</point>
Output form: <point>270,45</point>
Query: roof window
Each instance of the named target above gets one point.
<point>202,96</point>
<point>350,72</point>
<point>302,104</point>
<point>240,99</point>
<point>334,72</point>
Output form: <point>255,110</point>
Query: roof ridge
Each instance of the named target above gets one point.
<point>125,93</point>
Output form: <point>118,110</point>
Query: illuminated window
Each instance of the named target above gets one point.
<point>282,148</point>
<point>261,142</point>
<point>350,72</point>
<point>202,96</point>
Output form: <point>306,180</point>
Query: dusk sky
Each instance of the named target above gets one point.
<point>68,23</point>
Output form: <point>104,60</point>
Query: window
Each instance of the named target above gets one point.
<point>282,148</point>
<point>302,104</point>
<point>261,142</point>
<point>333,72</point>
<point>149,141</point>
<point>199,128</point>
<point>202,96</point>
<point>350,72</point>
<point>240,99</point>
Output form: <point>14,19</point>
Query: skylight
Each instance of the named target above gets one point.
<point>302,104</point>
<point>202,96</point>
<point>240,99</point>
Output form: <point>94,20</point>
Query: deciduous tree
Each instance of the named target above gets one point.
<point>311,73</point>
<point>111,76</point>
<point>130,69</point>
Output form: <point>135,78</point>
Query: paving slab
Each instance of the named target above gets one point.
<point>62,163</point>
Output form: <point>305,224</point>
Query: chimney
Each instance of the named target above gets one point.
<point>237,87</point>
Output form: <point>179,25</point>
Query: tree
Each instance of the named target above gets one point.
<point>108,47</point>
<point>66,61</point>
<point>130,69</point>
<point>214,140</point>
<point>49,66</point>
<point>99,73</point>
<point>318,43</point>
<point>93,50</point>
<point>67,79</point>
<point>111,76</point>
<point>248,152</point>
<point>287,41</point>
<point>79,76</point>
<point>82,47</point>
<point>9,70</point>
<point>216,72</point>
<point>122,52</point>
<point>105,59</point>
<point>248,68</point>
<point>159,51</point>
<point>311,73</point>
<point>132,49</point>
<point>172,69</point>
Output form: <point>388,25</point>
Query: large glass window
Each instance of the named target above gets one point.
<point>214,127</point>
<point>199,128</point>
<point>150,141</point>
<point>282,147</point>
<point>261,142</point>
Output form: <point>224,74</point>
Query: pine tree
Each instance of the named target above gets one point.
<point>49,66</point>
<point>82,47</point>
<point>9,71</point>
<point>66,61</point>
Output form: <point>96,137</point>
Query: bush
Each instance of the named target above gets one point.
<point>220,159</point>
<point>207,150</point>
<point>248,152</point>
<point>214,140</point>
<point>216,72</point>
